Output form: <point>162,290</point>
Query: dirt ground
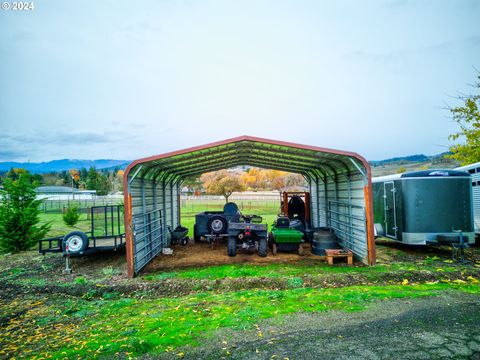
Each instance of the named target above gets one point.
<point>203,254</point>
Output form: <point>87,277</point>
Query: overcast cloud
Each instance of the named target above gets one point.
<point>125,79</point>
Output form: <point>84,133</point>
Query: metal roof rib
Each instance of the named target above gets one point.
<point>248,150</point>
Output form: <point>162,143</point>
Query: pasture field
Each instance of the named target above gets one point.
<point>268,209</point>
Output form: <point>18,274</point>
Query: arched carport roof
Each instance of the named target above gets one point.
<point>339,181</point>
<point>310,161</point>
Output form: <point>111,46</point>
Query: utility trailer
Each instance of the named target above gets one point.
<point>474,171</point>
<point>106,234</point>
<point>424,207</point>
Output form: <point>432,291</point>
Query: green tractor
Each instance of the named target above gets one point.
<point>284,238</point>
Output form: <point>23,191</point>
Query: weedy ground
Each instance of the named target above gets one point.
<point>211,311</point>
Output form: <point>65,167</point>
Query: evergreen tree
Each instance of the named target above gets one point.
<point>19,214</point>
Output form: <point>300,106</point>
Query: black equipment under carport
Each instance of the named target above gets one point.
<point>106,234</point>
<point>214,224</point>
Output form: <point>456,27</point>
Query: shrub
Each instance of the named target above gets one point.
<point>19,214</point>
<point>70,217</point>
<point>80,280</point>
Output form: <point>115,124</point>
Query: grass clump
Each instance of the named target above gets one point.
<point>80,280</point>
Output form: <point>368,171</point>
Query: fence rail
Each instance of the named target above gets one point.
<point>59,206</point>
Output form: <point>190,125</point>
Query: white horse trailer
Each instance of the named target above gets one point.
<point>474,171</point>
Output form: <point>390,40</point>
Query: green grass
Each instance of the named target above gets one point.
<point>268,209</point>
<point>136,326</point>
<point>59,228</point>
<point>286,270</point>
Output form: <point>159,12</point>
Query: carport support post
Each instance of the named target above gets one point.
<point>171,201</point>
<point>155,206</point>
<point>178,202</point>
<point>164,213</point>
<point>318,199</point>
<point>372,256</point>
<point>350,224</point>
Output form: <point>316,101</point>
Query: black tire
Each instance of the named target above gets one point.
<point>270,240</point>
<point>451,239</point>
<point>196,237</point>
<point>323,240</point>
<point>217,225</point>
<point>262,247</point>
<point>274,249</point>
<point>232,246</point>
<point>76,241</point>
<point>321,236</point>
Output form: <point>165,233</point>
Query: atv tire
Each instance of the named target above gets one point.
<point>232,247</point>
<point>262,247</point>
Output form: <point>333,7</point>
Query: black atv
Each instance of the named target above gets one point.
<point>247,232</point>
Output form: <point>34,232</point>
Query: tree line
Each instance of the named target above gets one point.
<point>226,182</point>
<point>102,181</point>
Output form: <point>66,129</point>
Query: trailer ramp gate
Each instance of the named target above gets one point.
<point>339,183</point>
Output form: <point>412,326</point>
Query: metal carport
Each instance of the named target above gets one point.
<point>339,181</point>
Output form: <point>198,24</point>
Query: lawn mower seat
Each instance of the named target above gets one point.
<point>283,222</point>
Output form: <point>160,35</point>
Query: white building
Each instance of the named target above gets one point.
<point>64,193</point>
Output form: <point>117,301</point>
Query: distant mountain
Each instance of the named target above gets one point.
<point>65,164</point>
<point>412,163</point>
<point>110,164</point>
<point>418,158</point>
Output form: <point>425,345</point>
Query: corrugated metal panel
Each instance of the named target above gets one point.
<point>474,171</point>
<point>314,209</point>
<point>347,214</point>
<point>337,182</point>
<point>147,224</point>
<point>476,207</point>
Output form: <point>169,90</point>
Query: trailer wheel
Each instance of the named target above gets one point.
<point>217,225</point>
<point>196,237</point>
<point>262,247</point>
<point>76,241</point>
<point>232,246</point>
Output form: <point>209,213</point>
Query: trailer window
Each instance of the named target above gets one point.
<point>472,171</point>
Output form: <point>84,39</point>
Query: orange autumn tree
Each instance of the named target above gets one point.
<point>221,183</point>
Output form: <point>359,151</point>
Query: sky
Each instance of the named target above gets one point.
<point>129,79</point>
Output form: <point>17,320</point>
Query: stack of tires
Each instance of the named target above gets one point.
<point>323,239</point>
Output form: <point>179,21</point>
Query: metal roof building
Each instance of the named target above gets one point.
<point>339,183</point>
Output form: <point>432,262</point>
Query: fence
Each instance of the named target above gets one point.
<point>246,202</point>
<point>197,204</point>
<point>59,206</point>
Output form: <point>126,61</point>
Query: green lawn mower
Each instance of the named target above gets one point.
<point>284,238</point>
